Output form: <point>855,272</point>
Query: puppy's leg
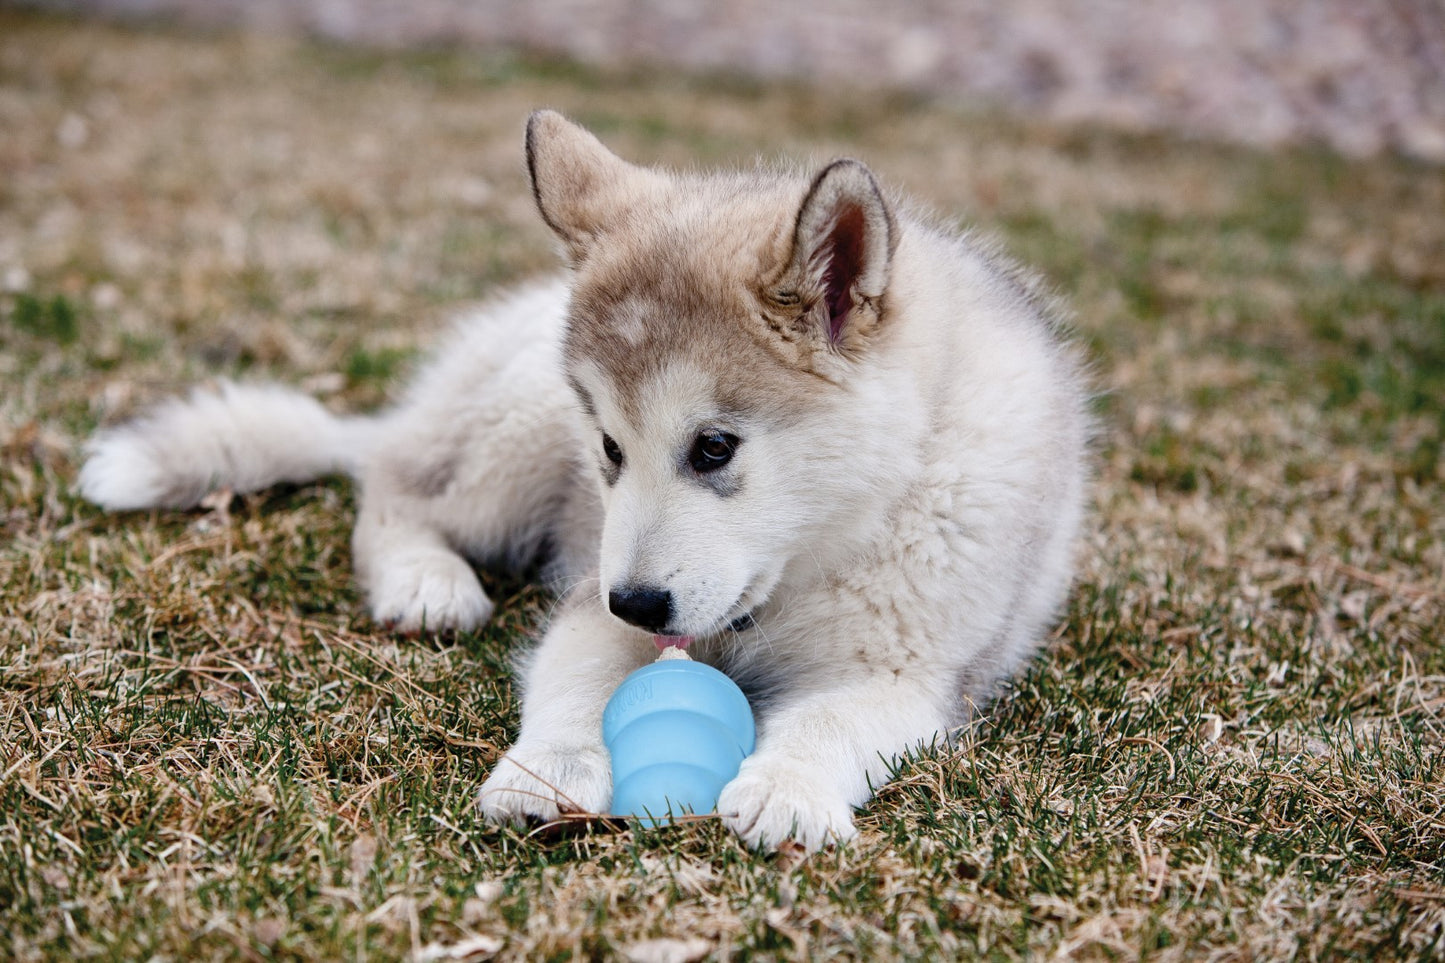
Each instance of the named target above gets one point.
<point>412,577</point>
<point>823,753</point>
<point>559,763</point>
<point>447,483</point>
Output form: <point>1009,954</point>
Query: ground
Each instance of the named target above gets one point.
<point>1232,748</point>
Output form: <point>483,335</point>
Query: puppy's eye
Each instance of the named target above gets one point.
<point>610,449</point>
<point>712,450</point>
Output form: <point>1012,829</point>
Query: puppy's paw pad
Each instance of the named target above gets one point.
<point>436,592</point>
<point>767,805</point>
<point>542,781</point>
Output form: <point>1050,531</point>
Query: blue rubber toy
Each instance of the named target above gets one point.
<point>677,731</point>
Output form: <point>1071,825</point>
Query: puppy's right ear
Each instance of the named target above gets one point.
<point>843,245</point>
<point>582,188</point>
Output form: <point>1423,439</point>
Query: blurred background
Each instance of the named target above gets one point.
<point>1360,77</point>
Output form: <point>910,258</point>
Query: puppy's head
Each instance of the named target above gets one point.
<point>719,343</point>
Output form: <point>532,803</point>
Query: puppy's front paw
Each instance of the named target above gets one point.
<point>542,781</point>
<point>771,802</point>
<point>435,591</point>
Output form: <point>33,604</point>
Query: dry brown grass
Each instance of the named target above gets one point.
<point>1233,750</point>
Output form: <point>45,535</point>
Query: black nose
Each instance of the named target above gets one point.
<point>646,608</point>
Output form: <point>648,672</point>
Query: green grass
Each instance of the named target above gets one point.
<point>1232,748</point>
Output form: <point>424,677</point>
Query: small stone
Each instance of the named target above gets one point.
<point>667,951</point>
<point>73,131</point>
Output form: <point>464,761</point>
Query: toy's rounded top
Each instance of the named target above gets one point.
<point>679,684</point>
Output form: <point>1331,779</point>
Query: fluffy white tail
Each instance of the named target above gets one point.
<point>242,437</point>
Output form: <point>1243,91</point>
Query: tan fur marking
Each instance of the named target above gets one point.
<point>690,282</point>
<point>679,266</point>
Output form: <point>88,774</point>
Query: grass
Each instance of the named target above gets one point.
<point>1231,750</point>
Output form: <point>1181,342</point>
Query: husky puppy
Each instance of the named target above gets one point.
<point>839,450</point>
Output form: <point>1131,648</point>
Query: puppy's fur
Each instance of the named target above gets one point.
<point>841,449</point>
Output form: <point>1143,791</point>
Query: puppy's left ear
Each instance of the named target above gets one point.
<point>582,188</point>
<point>843,246</point>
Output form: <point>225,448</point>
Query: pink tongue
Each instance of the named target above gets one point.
<point>669,641</point>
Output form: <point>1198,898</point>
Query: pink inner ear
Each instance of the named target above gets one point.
<point>844,253</point>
